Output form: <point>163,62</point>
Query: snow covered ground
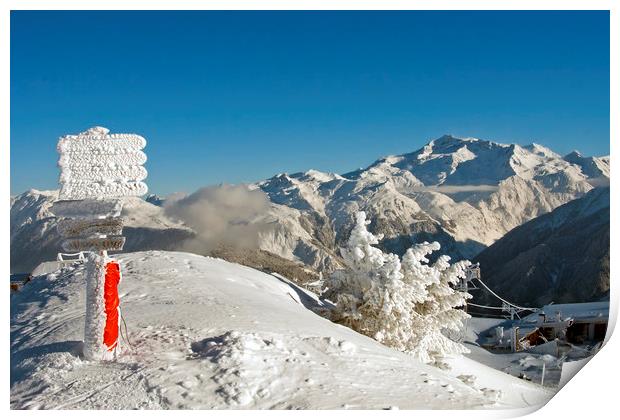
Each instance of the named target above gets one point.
<point>205,333</point>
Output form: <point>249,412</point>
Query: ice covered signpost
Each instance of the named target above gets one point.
<point>97,169</point>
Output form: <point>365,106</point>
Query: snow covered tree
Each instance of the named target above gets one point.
<point>438,309</point>
<point>402,305</point>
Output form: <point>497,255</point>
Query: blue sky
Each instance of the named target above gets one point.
<point>240,96</point>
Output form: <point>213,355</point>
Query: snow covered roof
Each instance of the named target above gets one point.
<point>577,311</point>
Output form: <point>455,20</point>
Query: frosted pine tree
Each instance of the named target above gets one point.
<point>404,306</point>
<point>438,309</point>
<point>366,294</point>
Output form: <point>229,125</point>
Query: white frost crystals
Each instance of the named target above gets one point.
<point>402,304</point>
<point>94,346</point>
<point>97,170</point>
<point>87,209</point>
<point>96,164</point>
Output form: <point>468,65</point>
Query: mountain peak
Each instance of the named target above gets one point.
<point>541,150</point>
<point>448,139</point>
<point>590,166</point>
<point>574,154</point>
<point>34,191</point>
<point>320,176</point>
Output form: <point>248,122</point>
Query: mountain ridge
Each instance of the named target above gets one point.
<point>562,256</point>
<point>465,193</point>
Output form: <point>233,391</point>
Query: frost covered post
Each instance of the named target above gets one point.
<point>97,169</point>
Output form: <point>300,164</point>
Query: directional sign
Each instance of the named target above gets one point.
<point>80,191</point>
<point>96,170</point>
<point>89,228</point>
<point>84,142</point>
<point>87,209</point>
<point>89,159</point>
<point>86,174</point>
<point>111,243</point>
<point>96,164</point>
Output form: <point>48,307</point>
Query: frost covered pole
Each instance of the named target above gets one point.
<point>97,169</point>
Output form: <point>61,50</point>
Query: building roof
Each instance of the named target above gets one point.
<point>577,311</point>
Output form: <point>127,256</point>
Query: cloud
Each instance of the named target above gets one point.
<point>229,215</point>
<point>600,181</point>
<point>454,189</point>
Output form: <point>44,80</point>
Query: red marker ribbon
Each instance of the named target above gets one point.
<point>111,301</point>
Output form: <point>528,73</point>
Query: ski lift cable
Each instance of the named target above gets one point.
<point>504,300</point>
<point>483,306</point>
<point>484,314</point>
<point>494,307</point>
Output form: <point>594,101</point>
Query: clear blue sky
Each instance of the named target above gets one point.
<point>240,96</point>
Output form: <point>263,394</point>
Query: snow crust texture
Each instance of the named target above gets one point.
<point>86,209</point>
<point>86,174</point>
<point>80,191</point>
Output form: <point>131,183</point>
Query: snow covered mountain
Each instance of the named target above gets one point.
<point>205,333</point>
<point>562,256</point>
<point>464,193</point>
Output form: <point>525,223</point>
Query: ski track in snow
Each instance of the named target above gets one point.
<point>205,333</point>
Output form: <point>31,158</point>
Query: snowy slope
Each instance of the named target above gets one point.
<point>206,333</point>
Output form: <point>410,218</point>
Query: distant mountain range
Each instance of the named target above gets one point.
<point>465,193</point>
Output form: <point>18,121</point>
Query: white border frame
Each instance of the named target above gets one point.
<point>591,394</point>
